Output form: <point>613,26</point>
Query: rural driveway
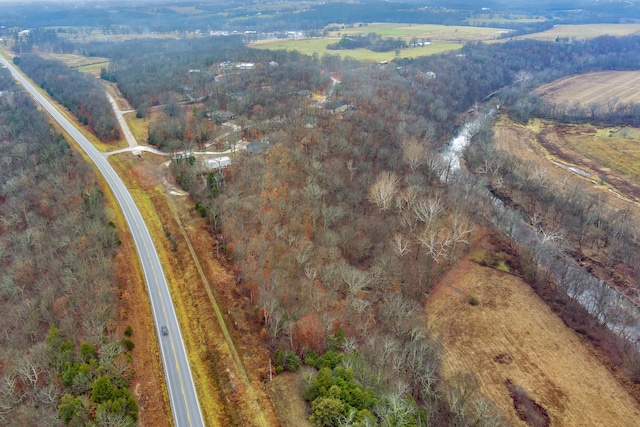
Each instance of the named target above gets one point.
<point>131,140</point>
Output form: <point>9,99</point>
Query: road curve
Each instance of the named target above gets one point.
<point>180,385</point>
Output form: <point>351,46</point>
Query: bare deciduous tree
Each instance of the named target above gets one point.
<point>427,210</point>
<point>354,278</point>
<point>414,154</point>
<point>436,241</point>
<point>400,244</point>
<point>462,386</point>
<point>397,312</point>
<point>436,166</point>
<point>384,189</point>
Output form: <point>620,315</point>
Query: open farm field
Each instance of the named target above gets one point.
<point>583,32</point>
<point>436,33</point>
<point>319,46</point>
<point>594,88</point>
<point>542,143</point>
<point>509,335</point>
<point>443,39</point>
<point>83,63</point>
<point>503,20</point>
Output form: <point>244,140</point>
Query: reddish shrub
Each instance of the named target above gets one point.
<point>309,333</point>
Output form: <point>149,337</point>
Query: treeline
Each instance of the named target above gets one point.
<point>45,40</point>
<point>524,105</point>
<point>480,71</point>
<point>57,287</point>
<point>153,72</point>
<point>7,82</point>
<point>119,18</point>
<point>371,41</point>
<point>82,95</point>
<point>150,72</point>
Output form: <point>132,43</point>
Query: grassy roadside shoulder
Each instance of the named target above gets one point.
<point>230,393</point>
<point>147,196</point>
<point>148,384</point>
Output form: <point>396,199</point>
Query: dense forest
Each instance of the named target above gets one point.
<point>61,358</point>
<point>82,95</point>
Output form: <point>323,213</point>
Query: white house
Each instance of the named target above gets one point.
<point>217,163</point>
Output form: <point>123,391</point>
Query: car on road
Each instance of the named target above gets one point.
<point>164,330</point>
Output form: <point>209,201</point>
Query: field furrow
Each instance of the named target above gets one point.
<point>594,88</point>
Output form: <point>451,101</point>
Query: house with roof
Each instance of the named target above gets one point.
<point>217,162</point>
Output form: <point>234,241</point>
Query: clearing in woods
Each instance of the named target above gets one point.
<point>510,337</point>
<point>594,88</point>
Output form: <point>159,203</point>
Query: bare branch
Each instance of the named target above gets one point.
<point>400,245</point>
<point>384,190</point>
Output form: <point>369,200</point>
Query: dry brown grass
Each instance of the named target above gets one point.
<point>594,88</point>
<point>286,391</point>
<point>513,334</point>
<point>148,385</point>
<point>148,194</point>
<point>543,143</point>
<point>77,61</point>
<point>227,356</point>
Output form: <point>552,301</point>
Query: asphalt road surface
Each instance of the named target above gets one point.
<point>180,385</point>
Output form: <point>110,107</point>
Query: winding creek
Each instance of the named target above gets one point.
<point>612,308</point>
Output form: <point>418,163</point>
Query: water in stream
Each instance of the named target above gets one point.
<point>603,302</point>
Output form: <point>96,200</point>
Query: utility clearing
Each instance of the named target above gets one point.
<point>492,323</point>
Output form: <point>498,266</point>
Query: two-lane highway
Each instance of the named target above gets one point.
<point>180,385</point>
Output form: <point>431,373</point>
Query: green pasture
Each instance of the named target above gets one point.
<point>617,148</point>
<point>443,38</point>
<point>93,68</point>
<point>319,46</point>
<point>435,33</point>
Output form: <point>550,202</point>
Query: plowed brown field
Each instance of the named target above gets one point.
<point>512,334</point>
<point>594,88</point>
